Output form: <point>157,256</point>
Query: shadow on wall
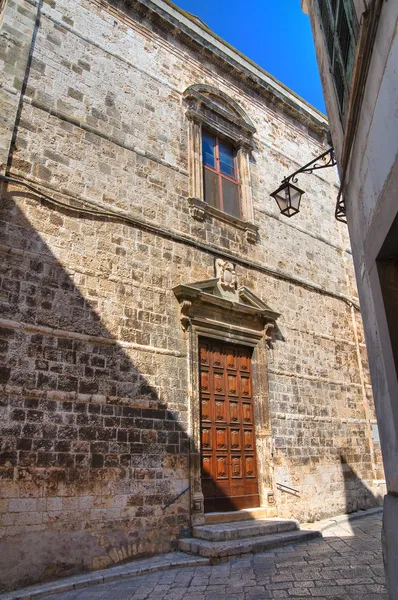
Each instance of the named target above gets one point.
<point>357,494</point>
<point>89,454</point>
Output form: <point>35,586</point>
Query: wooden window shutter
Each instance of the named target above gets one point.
<point>339,25</point>
<point>343,34</point>
<point>347,32</point>
<point>339,82</point>
<point>327,28</point>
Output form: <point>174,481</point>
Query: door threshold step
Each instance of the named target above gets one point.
<point>218,552</point>
<point>240,515</point>
<point>222,532</point>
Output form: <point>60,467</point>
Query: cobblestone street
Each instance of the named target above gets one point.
<point>345,565</point>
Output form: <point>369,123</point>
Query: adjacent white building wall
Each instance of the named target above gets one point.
<point>372,206</point>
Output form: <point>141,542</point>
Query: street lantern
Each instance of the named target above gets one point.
<point>288,197</point>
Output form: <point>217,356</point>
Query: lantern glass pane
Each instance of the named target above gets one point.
<point>288,198</point>
<point>282,198</point>
<point>295,197</point>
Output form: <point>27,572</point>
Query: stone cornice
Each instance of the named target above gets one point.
<point>196,34</point>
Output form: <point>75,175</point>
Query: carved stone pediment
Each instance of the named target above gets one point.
<point>220,300</point>
<point>212,106</point>
<point>210,292</point>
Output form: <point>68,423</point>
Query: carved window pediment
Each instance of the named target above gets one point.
<point>216,109</point>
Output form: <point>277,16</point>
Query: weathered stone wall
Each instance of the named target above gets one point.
<point>95,382</point>
<point>94,439</point>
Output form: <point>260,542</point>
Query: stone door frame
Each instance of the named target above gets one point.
<point>263,436</point>
<point>246,321</point>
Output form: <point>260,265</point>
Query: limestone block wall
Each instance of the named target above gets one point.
<point>95,429</point>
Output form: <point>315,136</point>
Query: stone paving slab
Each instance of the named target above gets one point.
<point>345,518</point>
<point>131,569</point>
<point>346,564</point>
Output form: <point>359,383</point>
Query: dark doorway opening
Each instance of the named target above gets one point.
<point>387,267</point>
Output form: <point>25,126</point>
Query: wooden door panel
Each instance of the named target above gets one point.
<point>217,357</point>
<point>234,413</point>
<point>245,387</point>
<point>235,443</point>
<point>206,438</point>
<point>248,439</point>
<point>244,361</point>
<point>207,467</point>
<point>221,439</point>
<point>204,355</point>
<point>229,474</point>
<point>237,470</point>
<point>250,468</point>
<point>206,409</point>
<point>222,467</point>
<point>218,384</point>
<point>231,359</point>
<point>204,381</point>
<point>232,384</point>
<point>247,413</point>
<point>220,411</point>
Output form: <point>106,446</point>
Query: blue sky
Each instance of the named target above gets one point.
<point>273,33</point>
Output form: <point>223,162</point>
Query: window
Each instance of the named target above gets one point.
<point>339,25</point>
<point>220,143</point>
<point>220,178</point>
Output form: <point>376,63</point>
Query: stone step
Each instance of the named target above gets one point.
<point>221,532</point>
<point>240,515</point>
<point>218,552</point>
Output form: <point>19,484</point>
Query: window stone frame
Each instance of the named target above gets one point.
<point>209,108</point>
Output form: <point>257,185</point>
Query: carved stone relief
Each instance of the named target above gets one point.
<point>226,274</point>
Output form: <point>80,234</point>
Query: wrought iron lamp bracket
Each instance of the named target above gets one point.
<point>328,158</point>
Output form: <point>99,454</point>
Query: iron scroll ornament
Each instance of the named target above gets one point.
<point>328,158</point>
<point>288,196</point>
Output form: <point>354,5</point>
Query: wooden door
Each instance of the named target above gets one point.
<point>229,469</point>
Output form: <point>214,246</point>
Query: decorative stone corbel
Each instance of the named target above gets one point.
<point>267,331</point>
<point>196,209</point>
<point>193,115</point>
<point>245,144</point>
<point>251,235</point>
<point>185,320</point>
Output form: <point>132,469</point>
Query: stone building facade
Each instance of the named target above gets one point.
<point>128,301</point>
<point>363,116</point>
